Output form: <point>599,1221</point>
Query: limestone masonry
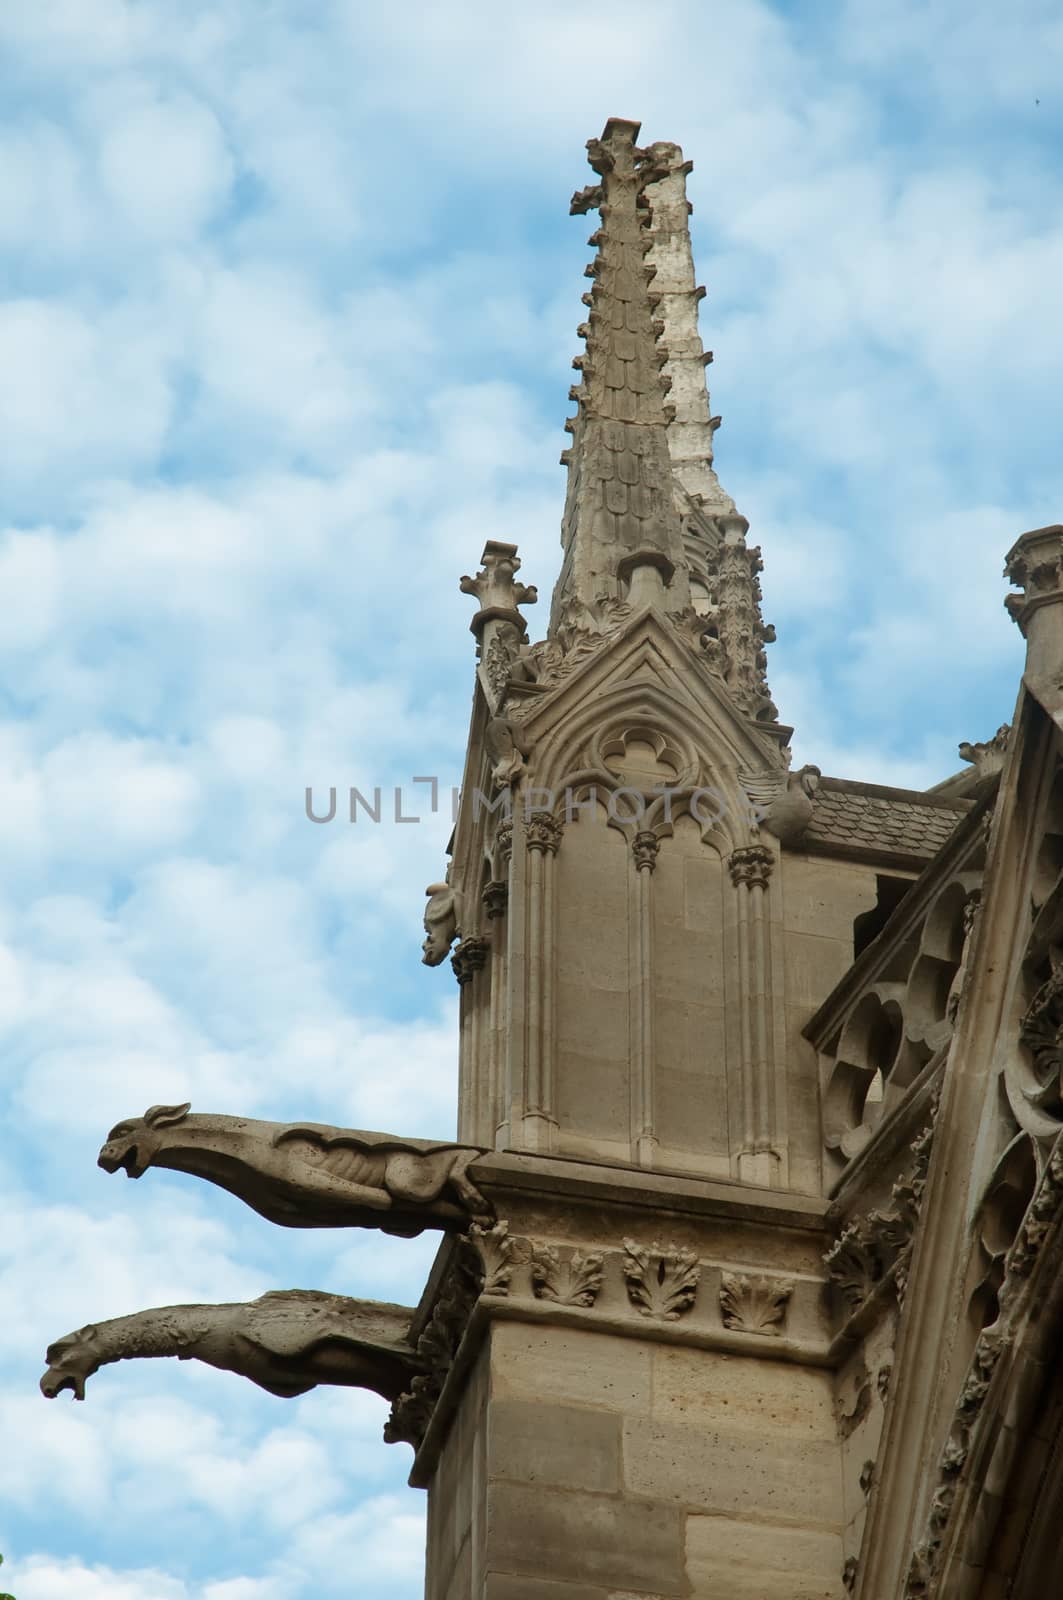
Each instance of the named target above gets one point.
<point>751,1278</point>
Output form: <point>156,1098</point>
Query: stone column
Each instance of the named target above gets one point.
<point>495,898</point>
<point>468,961</point>
<point>542,837</point>
<point>750,871</point>
<point>644,847</point>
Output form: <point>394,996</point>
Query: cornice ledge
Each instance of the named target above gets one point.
<point>638,1187</point>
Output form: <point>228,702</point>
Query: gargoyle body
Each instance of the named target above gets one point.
<point>287,1342</point>
<point>307,1175</point>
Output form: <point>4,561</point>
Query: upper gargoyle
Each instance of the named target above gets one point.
<point>286,1342</point>
<point>307,1175</point>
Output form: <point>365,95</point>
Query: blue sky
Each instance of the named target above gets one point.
<point>290,297</point>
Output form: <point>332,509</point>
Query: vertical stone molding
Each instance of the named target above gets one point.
<point>644,848</point>
<point>751,868</point>
<point>542,839</point>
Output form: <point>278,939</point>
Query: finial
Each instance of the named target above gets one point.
<point>494,587</point>
<point>498,625</point>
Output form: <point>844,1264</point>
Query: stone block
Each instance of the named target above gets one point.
<point>605,1541</point>
<point>730,1559</point>
<point>734,1472</point>
<point>563,1446</point>
<point>742,1394</point>
<point>568,1364</point>
<point>508,1586</point>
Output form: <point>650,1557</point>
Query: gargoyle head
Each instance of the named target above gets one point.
<point>442,918</point>
<point>71,1362</point>
<point>133,1145</point>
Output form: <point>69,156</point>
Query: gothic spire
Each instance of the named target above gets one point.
<point>621,534</point>
<point>646,520</point>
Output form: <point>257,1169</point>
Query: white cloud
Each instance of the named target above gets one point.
<point>292,304</point>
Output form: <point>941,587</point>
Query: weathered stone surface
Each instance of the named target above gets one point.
<point>729,1559</point>
<point>589,1369</point>
<point>735,1394</point>
<point>561,1446</point>
<point>600,1539</point>
<point>738,1473</point>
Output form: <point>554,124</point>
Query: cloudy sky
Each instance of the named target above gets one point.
<point>290,297</point>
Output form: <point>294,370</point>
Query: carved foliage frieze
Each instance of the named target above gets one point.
<point>754,1305</point>
<point>573,1280</point>
<point>661,1282</point>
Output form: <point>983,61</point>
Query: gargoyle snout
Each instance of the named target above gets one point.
<point>123,1154</point>
<point>69,1365</point>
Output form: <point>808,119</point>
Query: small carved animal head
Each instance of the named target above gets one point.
<point>71,1362</point>
<point>442,918</point>
<point>133,1145</point>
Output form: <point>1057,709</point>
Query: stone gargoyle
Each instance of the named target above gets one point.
<point>306,1175</point>
<point>287,1342</point>
<point>442,922</point>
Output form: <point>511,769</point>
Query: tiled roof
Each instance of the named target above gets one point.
<point>869,818</point>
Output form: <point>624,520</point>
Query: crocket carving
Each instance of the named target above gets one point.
<point>307,1175</point>
<point>287,1342</point>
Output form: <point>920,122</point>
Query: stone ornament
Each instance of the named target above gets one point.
<point>543,832</point>
<point>644,848</point>
<point>987,757</point>
<point>436,1348</point>
<point>507,747</point>
<point>661,1281</point>
<point>1041,1031</point>
<point>307,1175</point>
<point>442,922</point>
<point>287,1342</point>
<point>754,1305</point>
<point>751,865</point>
<point>870,1247</point>
<point>574,1280</point>
<point>495,897</point>
<point>470,957</point>
<point>498,1252</point>
<point>494,586</point>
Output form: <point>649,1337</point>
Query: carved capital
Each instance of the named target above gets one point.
<point>504,839</point>
<point>754,1305</point>
<point>751,865</point>
<point>495,898</point>
<point>644,847</point>
<point>542,831</point>
<point>469,957</point>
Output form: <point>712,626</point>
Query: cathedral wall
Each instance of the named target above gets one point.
<point>454,1564</point>
<point>590,968</point>
<point>617,1467</point>
<point>692,1111</point>
<point>821,900</point>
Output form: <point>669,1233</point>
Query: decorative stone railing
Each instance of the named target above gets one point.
<point>892,1015</point>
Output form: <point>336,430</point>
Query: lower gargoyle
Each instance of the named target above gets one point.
<point>307,1175</point>
<point>287,1342</point>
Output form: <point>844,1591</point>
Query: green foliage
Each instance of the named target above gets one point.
<point>5,1596</point>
